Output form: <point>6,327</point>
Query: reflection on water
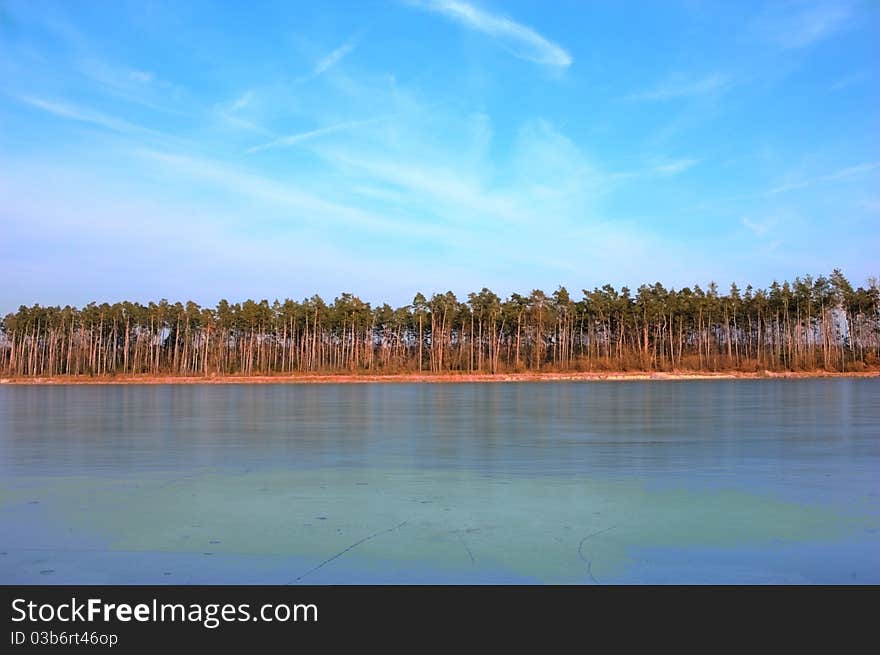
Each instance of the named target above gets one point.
<point>696,481</point>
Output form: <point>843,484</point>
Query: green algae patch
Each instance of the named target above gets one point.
<point>550,529</point>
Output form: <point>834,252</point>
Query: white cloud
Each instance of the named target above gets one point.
<point>849,171</point>
<point>872,205</point>
<point>675,166</point>
<point>848,81</point>
<point>84,115</point>
<point>293,139</point>
<point>759,228</point>
<point>312,208</point>
<point>679,86</point>
<point>132,85</point>
<point>86,221</point>
<point>144,77</point>
<point>333,58</point>
<point>522,41</point>
<point>657,167</point>
<point>233,114</point>
<point>242,101</point>
<point>806,25</point>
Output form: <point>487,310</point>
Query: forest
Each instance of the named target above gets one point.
<point>808,324</point>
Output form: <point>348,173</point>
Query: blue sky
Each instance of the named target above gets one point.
<point>226,149</point>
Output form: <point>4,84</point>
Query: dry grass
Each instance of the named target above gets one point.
<point>451,377</point>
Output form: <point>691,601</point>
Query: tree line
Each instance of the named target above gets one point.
<point>811,323</point>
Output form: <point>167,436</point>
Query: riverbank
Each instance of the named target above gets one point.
<point>435,378</point>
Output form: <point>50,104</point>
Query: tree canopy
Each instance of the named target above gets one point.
<point>811,323</point>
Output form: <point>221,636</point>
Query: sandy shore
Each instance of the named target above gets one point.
<point>445,378</point>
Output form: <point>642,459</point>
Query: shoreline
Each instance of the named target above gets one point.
<point>439,378</point>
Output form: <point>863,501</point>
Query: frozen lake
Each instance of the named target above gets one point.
<point>720,481</point>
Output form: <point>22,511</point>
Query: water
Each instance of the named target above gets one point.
<point>617,482</point>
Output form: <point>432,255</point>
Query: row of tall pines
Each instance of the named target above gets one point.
<point>821,323</point>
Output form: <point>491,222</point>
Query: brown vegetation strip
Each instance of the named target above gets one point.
<point>330,378</point>
<point>812,324</point>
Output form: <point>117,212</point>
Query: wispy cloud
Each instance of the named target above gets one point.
<point>800,27</point>
<point>140,87</point>
<point>328,62</point>
<point>294,139</point>
<point>656,167</point>
<point>521,40</point>
<point>759,228</point>
<point>312,207</point>
<point>240,123</point>
<point>242,101</point>
<point>675,166</point>
<point>679,86</point>
<point>143,77</point>
<point>234,114</point>
<point>849,171</point>
<point>84,115</point>
<point>455,197</point>
<point>848,81</point>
